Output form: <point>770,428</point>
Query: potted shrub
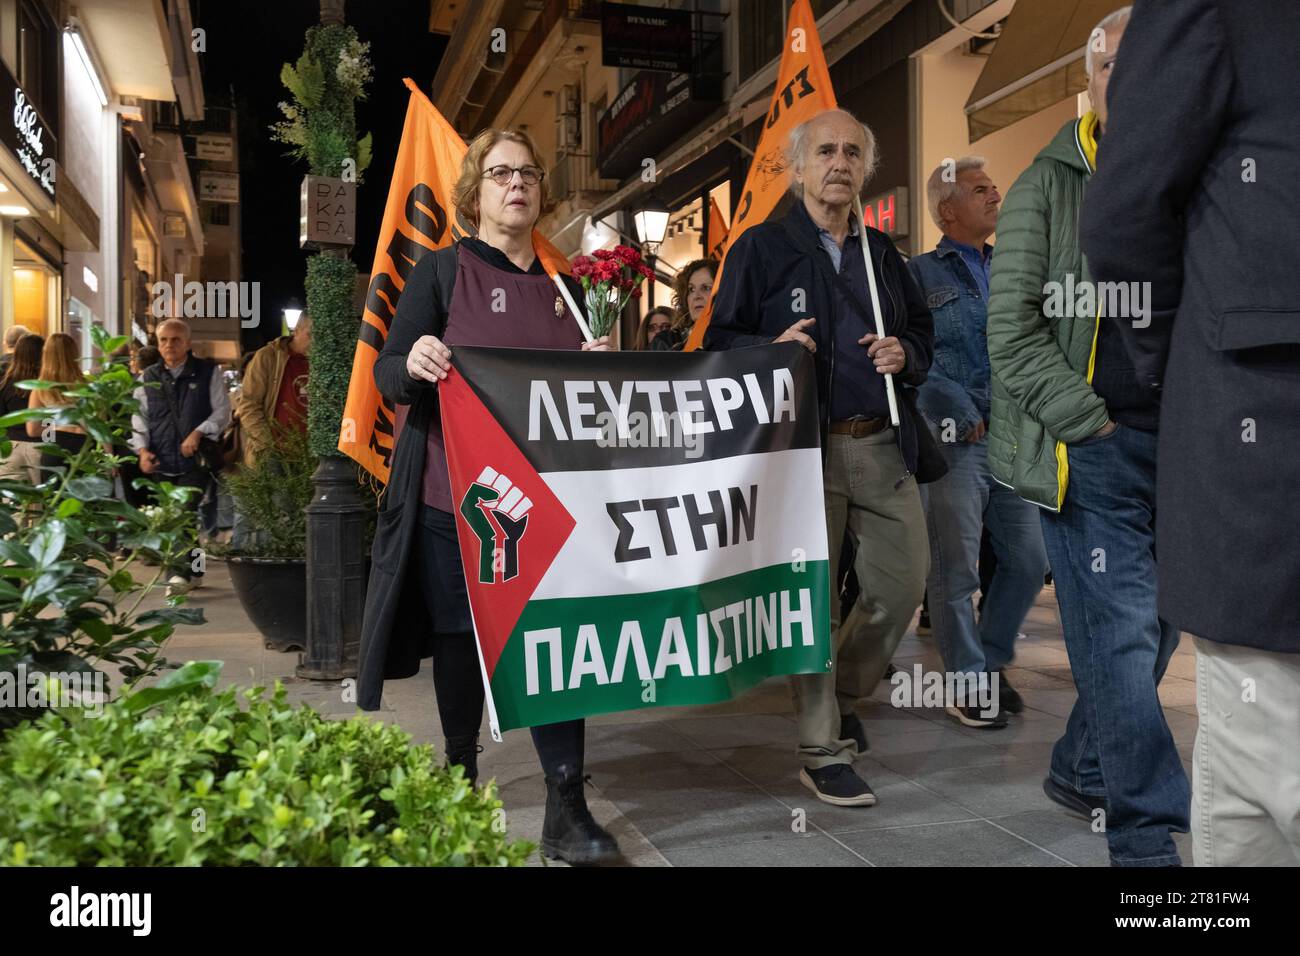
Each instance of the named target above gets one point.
<point>269,569</point>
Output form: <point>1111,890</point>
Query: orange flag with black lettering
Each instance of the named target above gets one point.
<point>803,89</point>
<point>717,230</point>
<point>418,218</point>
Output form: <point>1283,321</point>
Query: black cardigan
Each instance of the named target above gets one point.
<point>396,632</point>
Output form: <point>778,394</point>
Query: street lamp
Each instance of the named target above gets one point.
<point>292,312</point>
<point>651,227</point>
<point>652,222</point>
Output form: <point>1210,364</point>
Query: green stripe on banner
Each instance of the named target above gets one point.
<point>691,645</point>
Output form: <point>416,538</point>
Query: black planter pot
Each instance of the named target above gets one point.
<point>273,592</point>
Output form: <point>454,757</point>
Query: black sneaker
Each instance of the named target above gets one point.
<point>1083,804</point>
<point>974,717</point>
<point>838,785</point>
<point>851,729</point>
<point>1009,698</point>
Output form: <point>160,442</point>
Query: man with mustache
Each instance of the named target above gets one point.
<point>803,279</point>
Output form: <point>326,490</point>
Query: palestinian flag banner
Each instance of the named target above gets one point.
<point>637,529</point>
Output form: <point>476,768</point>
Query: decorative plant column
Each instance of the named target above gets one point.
<point>320,124</point>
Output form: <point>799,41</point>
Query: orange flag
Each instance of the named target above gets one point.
<point>418,218</point>
<point>717,232</point>
<point>803,89</point>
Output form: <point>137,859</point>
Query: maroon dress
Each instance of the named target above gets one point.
<point>525,317</point>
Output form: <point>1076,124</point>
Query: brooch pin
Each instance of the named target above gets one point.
<point>559,307</point>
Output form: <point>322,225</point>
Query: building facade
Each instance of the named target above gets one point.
<point>918,72</point>
<point>99,169</point>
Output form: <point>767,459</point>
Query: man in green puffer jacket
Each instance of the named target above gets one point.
<point>1072,430</point>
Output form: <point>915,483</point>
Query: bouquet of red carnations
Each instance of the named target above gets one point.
<point>610,277</point>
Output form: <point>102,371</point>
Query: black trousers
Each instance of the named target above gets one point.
<point>185,567</point>
<point>457,676</point>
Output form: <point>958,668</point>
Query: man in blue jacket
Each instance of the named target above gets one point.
<point>803,279</point>
<point>954,278</point>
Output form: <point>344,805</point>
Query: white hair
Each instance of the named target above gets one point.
<point>1097,38</point>
<point>943,186</point>
<point>173,323</point>
<point>14,333</point>
<point>797,144</point>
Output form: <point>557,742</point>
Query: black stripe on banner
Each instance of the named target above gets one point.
<point>372,336</point>
<point>754,400</point>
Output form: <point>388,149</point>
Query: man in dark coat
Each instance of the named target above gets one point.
<point>1194,190</point>
<point>803,278</point>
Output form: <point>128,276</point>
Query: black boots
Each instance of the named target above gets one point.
<point>570,833</point>
<point>464,751</point>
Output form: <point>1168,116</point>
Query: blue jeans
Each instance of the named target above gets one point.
<point>957,508</point>
<point>1117,744</point>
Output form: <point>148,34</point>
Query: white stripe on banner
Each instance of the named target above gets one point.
<point>786,517</point>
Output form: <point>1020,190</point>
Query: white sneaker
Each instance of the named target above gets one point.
<point>178,585</point>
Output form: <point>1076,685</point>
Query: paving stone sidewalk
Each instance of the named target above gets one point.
<point>718,786</point>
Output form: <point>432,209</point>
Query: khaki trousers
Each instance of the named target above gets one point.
<point>23,463</point>
<point>893,559</point>
<point>1246,768</point>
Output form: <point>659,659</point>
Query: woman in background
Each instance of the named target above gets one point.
<point>61,363</point>
<point>691,291</point>
<point>24,461</point>
<point>657,322</point>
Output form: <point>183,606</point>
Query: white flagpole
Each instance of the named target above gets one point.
<point>875,307</point>
<point>573,307</point>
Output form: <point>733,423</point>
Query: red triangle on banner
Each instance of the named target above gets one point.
<point>509,523</point>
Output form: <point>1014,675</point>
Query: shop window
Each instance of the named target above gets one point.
<point>80,321</point>
<point>38,59</point>
<point>144,244</point>
<point>36,290</point>
<point>166,116</point>
<point>759,33</point>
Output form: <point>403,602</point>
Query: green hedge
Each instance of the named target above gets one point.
<point>334,329</point>
<point>179,776</point>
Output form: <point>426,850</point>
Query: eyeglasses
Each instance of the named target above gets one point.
<point>504,175</point>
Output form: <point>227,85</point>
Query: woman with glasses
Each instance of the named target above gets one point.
<point>657,322</point>
<point>488,290</point>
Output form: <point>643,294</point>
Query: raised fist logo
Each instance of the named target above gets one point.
<point>497,511</point>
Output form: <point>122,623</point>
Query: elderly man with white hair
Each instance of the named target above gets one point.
<point>12,335</point>
<point>183,399</point>
<point>954,279</point>
<point>803,279</point>
<point>1073,430</point>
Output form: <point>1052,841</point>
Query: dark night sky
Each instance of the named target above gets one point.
<point>247,42</point>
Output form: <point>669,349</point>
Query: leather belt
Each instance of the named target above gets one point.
<point>859,427</point>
